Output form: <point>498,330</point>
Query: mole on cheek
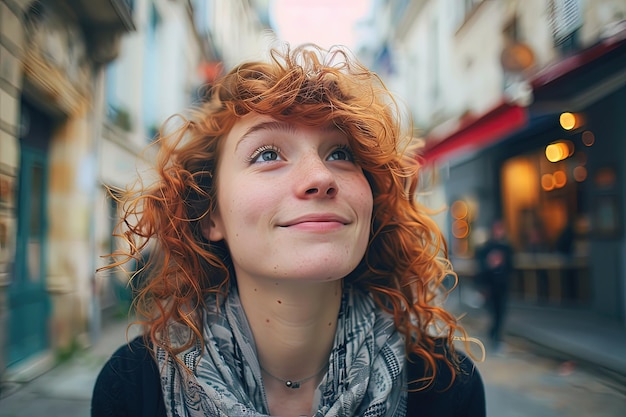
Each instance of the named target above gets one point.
<point>279,302</point>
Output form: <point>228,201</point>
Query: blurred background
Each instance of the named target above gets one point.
<point>521,106</point>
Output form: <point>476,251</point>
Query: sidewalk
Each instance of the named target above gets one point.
<point>65,390</point>
<point>579,336</point>
<point>584,337</point>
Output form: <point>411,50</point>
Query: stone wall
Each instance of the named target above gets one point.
<point>48,58</point>
<point>11,41</point>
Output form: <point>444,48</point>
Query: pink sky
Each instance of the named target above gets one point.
<point>325,22</point>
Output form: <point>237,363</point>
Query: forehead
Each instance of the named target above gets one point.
<point>254,124</point>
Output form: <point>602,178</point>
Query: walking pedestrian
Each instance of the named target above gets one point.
<point>495,265</point>
<point>298,275</point>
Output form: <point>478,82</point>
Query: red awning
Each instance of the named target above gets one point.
<point>478,132</point>
<point>578,62</point>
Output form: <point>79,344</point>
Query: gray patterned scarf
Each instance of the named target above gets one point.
<point>365,375</point>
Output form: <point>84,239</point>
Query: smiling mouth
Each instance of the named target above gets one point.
<point>317,220</point>
<point>316,225</point>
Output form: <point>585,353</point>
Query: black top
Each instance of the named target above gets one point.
<point>129,386</point>
<point>495,263</point>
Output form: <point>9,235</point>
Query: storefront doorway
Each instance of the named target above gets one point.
<point>29,303</point>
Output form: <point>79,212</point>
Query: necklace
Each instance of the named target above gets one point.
<point>294,384</point>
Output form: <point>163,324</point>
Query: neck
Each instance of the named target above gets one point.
<point>293,324</point>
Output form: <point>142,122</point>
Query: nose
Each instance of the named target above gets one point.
<point>315,179</point>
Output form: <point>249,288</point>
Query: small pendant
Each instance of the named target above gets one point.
<point>292,385</point>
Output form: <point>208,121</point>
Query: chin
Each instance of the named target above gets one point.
<point>324,271</point>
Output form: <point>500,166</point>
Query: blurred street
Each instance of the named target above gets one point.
<point>66,389</point>
<point>525,378</point>
<point>518,106</point>
<point>521,380</point>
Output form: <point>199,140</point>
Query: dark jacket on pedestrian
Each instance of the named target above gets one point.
<point>495,264</point>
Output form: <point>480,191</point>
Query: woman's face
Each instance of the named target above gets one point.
<point>292,204</point>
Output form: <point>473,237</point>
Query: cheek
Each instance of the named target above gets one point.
<point>363,196</point>
<point>246,202</point>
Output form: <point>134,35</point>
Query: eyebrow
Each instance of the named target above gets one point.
<point>279,127</point>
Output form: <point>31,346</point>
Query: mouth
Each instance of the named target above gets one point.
<point>317,221</point>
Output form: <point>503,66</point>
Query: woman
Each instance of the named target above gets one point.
<point>296,274</point>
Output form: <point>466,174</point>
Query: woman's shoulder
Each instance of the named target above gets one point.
<point>133,353</point>
<point>460,393</point>
<point>128,383</point>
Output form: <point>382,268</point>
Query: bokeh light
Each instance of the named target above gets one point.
<point>588,138</point>
<point>567,120</point>
<point>580,173</point>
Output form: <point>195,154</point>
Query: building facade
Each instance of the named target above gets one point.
<point>52,57</point>
<point>521,105</point>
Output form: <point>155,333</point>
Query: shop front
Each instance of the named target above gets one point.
<point>558,182</point>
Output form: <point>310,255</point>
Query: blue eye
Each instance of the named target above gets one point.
<point>267,153</point>
<point>342,153</point>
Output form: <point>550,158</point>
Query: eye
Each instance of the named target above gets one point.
<point>341,153</point>
<point>266,153</point>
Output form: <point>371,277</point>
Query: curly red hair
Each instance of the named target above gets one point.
<point>405,266</point>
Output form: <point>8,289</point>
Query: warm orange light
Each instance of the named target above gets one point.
<point>559,151</point>
<point>580,173</point>
<point>568,121</point>
<point>460,229</point>
<point>547,182</point>
<point>554,152</point>
<point>459,209</point>
<point>560,179</point>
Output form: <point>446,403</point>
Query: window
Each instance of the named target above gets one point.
<point>565,19</point>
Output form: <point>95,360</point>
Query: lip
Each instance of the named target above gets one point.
<point>316,218</point>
